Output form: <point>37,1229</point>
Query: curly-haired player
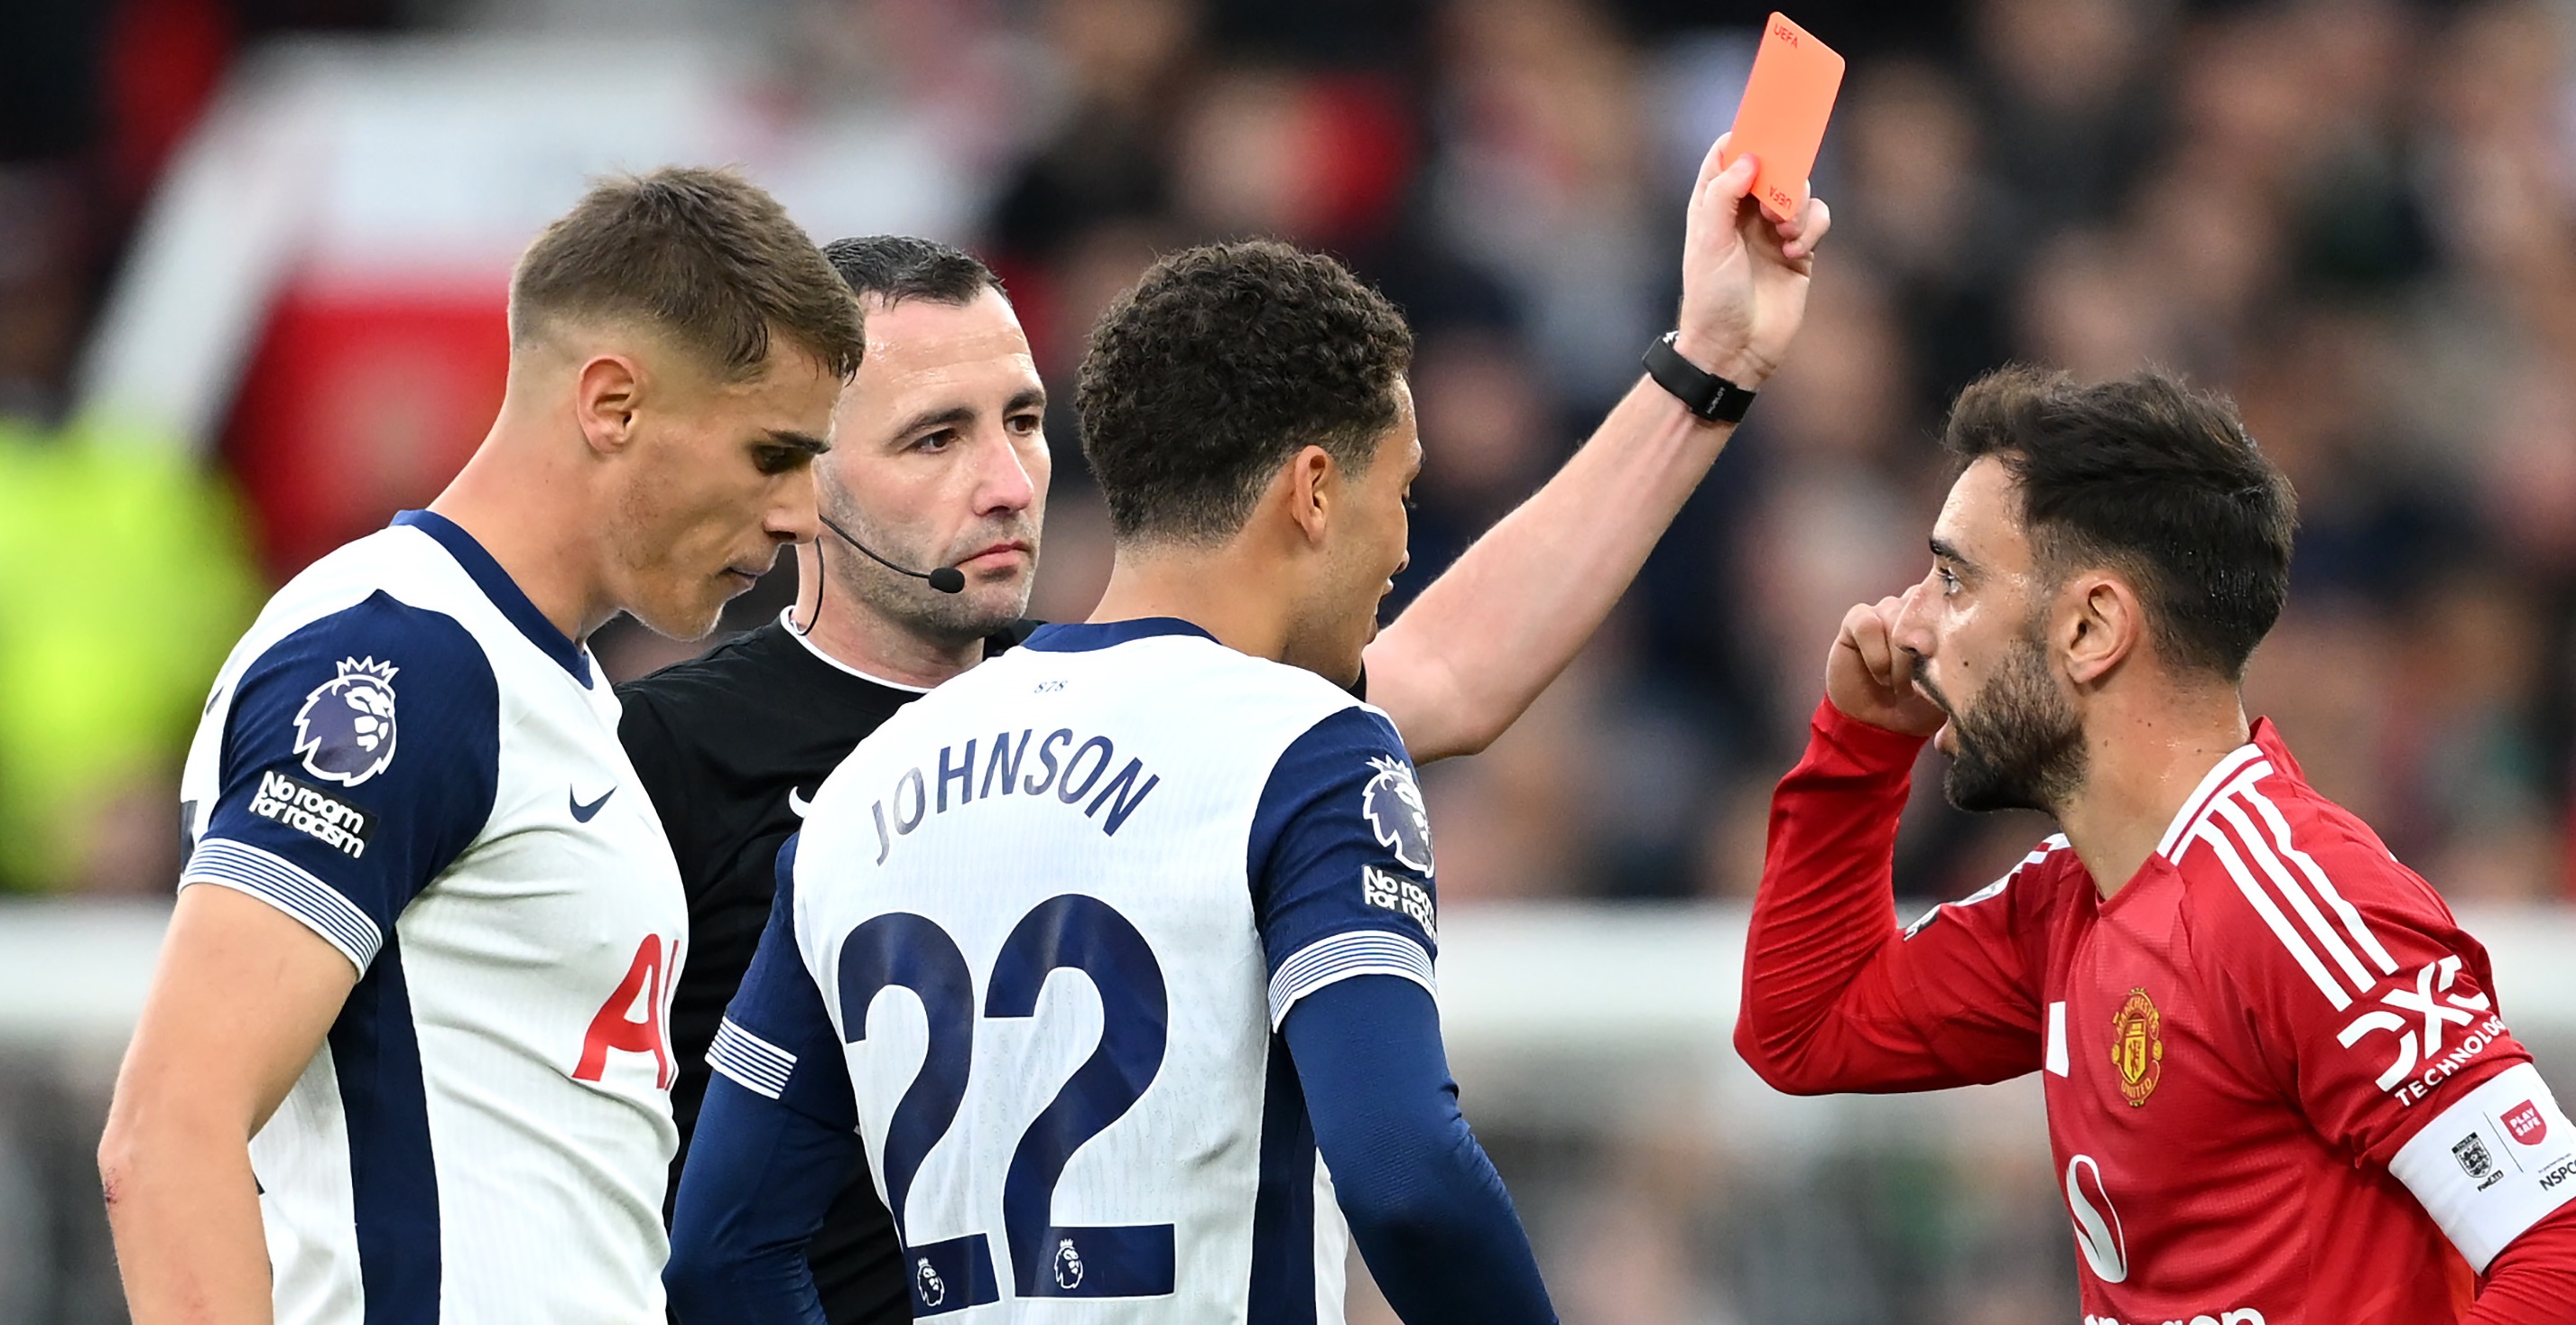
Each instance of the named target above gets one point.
<point>1116,949</point>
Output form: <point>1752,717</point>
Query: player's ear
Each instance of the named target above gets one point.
<point>1311,480</point>
<point>2103,624</point>
<point>607,391</point>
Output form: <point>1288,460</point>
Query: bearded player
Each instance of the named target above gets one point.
<point>2279,1087</point>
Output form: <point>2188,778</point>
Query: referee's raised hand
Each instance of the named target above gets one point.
<point>1744,275</point>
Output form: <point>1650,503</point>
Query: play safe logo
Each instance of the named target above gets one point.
<point>2138,1047</point>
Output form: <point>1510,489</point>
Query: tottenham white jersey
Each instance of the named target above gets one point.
<point>1045,922</point>
<point>406,756</point>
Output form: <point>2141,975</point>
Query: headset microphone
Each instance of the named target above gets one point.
<point>946,579</point>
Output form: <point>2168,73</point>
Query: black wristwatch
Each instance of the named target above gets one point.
<point>1703,393</point>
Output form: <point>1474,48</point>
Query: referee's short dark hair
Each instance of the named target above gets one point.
<point>2151,478</point>
<point>1222,362</point>
<point>896,268</point>
<point>704,255</point>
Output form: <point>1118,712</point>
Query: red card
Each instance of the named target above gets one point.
<point>1782,118</point>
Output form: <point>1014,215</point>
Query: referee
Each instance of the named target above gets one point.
<point>941,433</point>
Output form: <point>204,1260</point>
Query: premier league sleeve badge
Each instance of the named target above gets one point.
<point>345,731</point>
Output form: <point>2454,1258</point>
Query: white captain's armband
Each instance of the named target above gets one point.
<point>2493,1164</point>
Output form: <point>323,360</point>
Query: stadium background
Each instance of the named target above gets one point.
<point>251,263</point>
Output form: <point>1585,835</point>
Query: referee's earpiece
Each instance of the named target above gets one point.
<point>946,579</point>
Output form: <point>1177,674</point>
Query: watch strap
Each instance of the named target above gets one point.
<point>1702,392</point>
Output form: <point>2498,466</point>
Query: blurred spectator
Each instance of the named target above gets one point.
<point>127,580</point>
<point>2355,215</point>
<point>1543,175</point>
<point>2070,110</point>
<point>43,286</point>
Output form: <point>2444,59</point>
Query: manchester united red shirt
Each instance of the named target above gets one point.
<point>2279,1088</point>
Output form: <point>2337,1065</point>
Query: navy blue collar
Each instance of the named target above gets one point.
<point>504,592</point>
<point>1101,635</point>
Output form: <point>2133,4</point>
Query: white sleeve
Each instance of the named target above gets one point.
<point>2493,1164</point>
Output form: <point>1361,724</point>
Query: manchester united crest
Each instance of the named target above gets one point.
<point>2138,1047</point>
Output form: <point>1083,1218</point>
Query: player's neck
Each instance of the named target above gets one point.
<point>2146,755</point>
<point>534,518</point>
<point>1220,590</point>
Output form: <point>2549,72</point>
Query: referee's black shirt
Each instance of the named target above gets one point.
<point>721,742</point>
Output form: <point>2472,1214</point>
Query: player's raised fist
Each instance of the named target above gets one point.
<point>1744,275</point>
<point>1869,678</point>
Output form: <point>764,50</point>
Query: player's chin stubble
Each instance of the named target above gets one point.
<point>2021,748</point>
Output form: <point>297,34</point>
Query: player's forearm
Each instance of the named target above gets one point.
<point>2533,1280</point>
<point>239,1006</point>
<point>1466,658</point>
<point>1425,1206</point>
<point>184,1211</point>
<point>1825,910</point>
<point>759,1182</point>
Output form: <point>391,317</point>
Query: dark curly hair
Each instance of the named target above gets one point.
<point>1222,363</point>
<point>2153,479</point>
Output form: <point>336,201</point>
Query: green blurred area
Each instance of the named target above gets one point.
<point>125,577</point>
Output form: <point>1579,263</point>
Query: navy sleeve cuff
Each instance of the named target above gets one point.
<point>1425,1205</point>
<point>777,1040</point>
<point>759,1180</point>
<point>1340,862</point>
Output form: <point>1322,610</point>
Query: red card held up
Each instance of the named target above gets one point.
<point>1781,120</point>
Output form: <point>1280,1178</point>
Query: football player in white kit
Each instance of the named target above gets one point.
<point>1117,951</point>
<point>404,1059</point>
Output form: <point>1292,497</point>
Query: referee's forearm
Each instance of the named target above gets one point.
<point>1466,658</point>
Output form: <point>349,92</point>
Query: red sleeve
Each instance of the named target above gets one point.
<point>2366,1000</point>
<point>1836,998</point>
<point>2533,1282</point>
<point>2367,1004</point>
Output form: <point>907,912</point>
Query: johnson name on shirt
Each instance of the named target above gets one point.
<point>1074,772</point>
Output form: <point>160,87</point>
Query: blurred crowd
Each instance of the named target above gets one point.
<point>2356,216</point>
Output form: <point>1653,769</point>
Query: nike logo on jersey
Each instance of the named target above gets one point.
<point>796,803</point>
<point>582,814</point>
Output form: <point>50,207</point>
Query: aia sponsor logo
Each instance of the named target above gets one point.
<point>2525,1123</point>
<point>2138,1047</point>
<point>631,1021</point>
